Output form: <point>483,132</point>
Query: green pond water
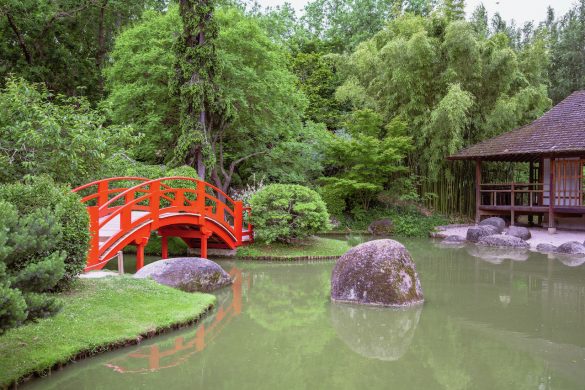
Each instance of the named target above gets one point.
<point>487,323</point>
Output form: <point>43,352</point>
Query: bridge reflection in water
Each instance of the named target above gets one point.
<point>152,358</point>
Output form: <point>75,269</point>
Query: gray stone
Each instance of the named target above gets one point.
<point>187,274</point>
<point>379,272</point>
<point>376,332</point>
<point>571,248</point>
<point>546,248</point>
<point>496,222</point>
<point>382,227</point>
<point>476,232</point>
<point>502,241</point>
<point>497,255</point>
<point>520,232</point>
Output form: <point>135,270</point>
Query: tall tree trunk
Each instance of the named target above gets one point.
<point>20,39</point>
<point>195,86</point>
<point>101,44</point>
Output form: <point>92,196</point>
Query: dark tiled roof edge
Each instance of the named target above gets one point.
<point>559,131</point>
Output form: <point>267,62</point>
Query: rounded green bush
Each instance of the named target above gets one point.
<point>283,212</point>
<point>68,213</point>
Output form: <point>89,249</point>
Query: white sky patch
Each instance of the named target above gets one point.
<point>520,10</point>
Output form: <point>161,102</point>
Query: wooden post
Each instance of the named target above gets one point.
<point>477,190</point>
<point>165,247</point>
<point>512,204</point>
<point>238,220</point>
<point>140,256</point>
<point>530,193</point>
<point>551,198</point>
<point>121,263</point>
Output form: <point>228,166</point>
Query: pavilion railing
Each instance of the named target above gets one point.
<point>531,195</point>
<point>513,194</point>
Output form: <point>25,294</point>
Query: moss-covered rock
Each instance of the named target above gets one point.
<point>186,273</point>
<point>379,272</point>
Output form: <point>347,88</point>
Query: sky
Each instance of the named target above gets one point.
<point>519,10</point>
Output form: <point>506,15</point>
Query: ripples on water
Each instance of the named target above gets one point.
<point>496,320</point>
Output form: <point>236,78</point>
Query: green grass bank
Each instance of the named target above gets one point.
<point>98,315</point>
<point>310,247</point>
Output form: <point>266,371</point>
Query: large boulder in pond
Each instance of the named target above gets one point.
<point>186,273</point>
<point>382,227</point>
<point>376,332</point>
<point>571,248</point>
<point>379,272</point>
<point>502,241</point>
<point>520,232</point>
<point>475,233</point>
<point>496,222</point>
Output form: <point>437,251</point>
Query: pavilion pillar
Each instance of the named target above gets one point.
<point>531,187</point>
<point>477,191</point>
<point>551,198</point>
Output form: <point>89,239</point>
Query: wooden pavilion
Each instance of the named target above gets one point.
<point>554,148</point>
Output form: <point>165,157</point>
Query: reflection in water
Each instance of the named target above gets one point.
<point>374,332</point>
<point>497,255</point>
<point>570,260</point>
<point>152,358</point>
<point>512,325</point>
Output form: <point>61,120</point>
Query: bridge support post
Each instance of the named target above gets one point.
<point>140,256</point>
<point>164,247</point>
<point>205,234</point>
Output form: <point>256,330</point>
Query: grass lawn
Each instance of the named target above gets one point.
<point>313,246</point>
<point>98,313</point>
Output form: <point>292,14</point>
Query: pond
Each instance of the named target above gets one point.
<point>486,324</point>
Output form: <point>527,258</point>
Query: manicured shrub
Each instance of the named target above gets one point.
<point>66,231</point>
<point>30,264</point>
<point>283,212</point>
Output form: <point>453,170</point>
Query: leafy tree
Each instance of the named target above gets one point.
<point>284,212</point>
<point>196,71</point>
<point>453,87</point>
<point>365,157</point>
<point>318,79</point>
<point>263,107</point>
<point>63,43</point>
<point>44,134</point>
<point>567,41</point>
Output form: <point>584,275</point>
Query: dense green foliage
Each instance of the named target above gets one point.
<point>63,43</point>
<point>263,112</point>
<point>360,100</point>
<point>66,211</point>
<point>54,135</point>
<point>285,212</point>
<point>452,86</point>
<point>43,244</point>
<point>96,315</point>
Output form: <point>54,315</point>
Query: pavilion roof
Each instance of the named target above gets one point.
<point>560,132</point>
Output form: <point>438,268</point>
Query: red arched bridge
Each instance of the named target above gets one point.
<point>127,210</point>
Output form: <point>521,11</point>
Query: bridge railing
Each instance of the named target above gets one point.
<point>107,200</point>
